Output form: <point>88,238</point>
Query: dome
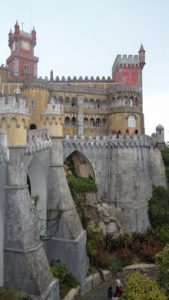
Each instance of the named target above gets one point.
<point>159,127</point>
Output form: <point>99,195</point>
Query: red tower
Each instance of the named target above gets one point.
<point>22,63</point>
<point>127,70</point>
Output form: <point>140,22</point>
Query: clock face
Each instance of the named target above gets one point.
<point>25,45</point>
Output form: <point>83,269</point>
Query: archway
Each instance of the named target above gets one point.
<point>79,165</point>
<point>37,184</point>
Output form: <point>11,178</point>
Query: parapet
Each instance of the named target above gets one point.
<point>86,79</point>
<point>13,105</point>
<point>53,109</point>
<point>123,141</point>
<point>126,61</point>
<point>38,140</point>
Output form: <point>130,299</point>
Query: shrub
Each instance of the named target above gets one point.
<point>94,239</point>
<point>116,265</point>
<point>124,254</point>
<point>140,287</point>
<point>162,266</point>
<point>148,252</point>
<point>159,207</point>
<point>64,276</point>
<point>162,233</point>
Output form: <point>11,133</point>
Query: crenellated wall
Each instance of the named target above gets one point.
<point>125,170</point>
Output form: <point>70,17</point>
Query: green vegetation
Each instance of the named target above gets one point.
<point>162,264</point>
<point>12,294</point>
<point>66,279</point>
<point>165,156</point>
<point>159,213</point>
<point>140,287</point>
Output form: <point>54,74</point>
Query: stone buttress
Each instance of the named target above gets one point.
<point>66,237</point>
<point>25,263</point>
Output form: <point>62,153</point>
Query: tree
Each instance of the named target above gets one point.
<point>162,264</point>
<point>141,287</point>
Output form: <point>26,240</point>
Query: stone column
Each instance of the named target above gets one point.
<point>4,157</point>
<point>80,128</point>
<point>66,237</point>
<point>25,263</point>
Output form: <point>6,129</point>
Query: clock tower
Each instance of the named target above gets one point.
<point>22,63</point>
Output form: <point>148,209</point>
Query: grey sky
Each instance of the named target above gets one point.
<point>83,38</point>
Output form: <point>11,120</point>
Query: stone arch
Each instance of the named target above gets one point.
<point>86,122</point>
<point>98,122</point>
<point>73,101</point>
<point>92,103</point>
<point>97,103</point>
<point>67,101</point>
<point>73,121</point>
<point>83,167</point>
<point>37,184</point>
<point>85,103</point>
<point>67,121</point>
<point>92,122</point>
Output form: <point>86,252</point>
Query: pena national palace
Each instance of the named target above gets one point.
<point>99,123</point>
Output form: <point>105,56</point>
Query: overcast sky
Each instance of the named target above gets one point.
<point>83,37</point>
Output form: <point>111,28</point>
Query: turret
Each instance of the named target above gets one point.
<point>14,118</point>
<point>142,56</point>
<point>53,119</point>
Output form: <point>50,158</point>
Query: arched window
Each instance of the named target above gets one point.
<point>67,101</point>
<point>86,122</point>
<point>26,68</point>
<point>73,121</point>
<point>132,121</point>
<point>67,121</point>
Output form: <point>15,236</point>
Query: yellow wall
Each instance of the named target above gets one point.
<point>119,121</point>
<point>15,128</point>
<point>53,124</point>
<point>40,98</point>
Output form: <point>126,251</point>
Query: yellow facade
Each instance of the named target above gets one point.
<point>15,127</point>
<point>37,100</point>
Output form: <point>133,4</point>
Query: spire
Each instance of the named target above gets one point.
<point>141,48</point>
<point>142,56</point>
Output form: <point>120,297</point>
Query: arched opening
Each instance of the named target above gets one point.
<point>37,186</point>
<point>79,165</point>
<point>132,121</point>
<point>73,122</point>
<point>67,121</point>
<point>32,126</point>
<point>86,122</point>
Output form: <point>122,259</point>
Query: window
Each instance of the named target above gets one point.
<point>33,104</point>
<point>26,68</point>
<point>132,121</point>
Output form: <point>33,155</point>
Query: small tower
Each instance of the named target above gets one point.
<point>22,63</point>
<point>53,119</point>
<point>142,56</point>
<point>14,119</point>
<point>160,136</point>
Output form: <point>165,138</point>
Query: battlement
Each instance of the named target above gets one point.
<point>38,140</point>
<point>53,109</point>
<point>112,140</point>
<point>13,105</point>
<point>126,61</point>
<point>86,79</point>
